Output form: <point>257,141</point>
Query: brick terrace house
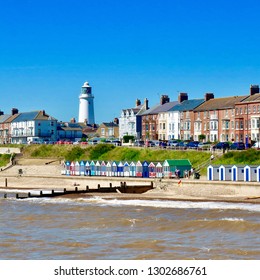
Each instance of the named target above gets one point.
<point>5,126</point>
<point>247,117</point>
<point>215,118</point>
<point>150,118</point>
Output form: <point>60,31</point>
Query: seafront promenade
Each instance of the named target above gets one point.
<point>45,175</point>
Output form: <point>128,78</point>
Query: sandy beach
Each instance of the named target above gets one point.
<point>46,177</point>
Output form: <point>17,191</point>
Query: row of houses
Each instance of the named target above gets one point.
<point>167,169</point>
<point>234,118</point>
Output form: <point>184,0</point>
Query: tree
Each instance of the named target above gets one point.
<point>202,137</point>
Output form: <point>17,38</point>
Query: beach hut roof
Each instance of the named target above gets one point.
<point>158,164</point>
<point>177,162</point>
<point>151,164</point>
<point>139,163</point>
<point>132,163</point>
<point>126,163</point>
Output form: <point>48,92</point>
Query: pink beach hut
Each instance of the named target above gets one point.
<point>139,169</point>
<point>72,168</point>
<point>152,170</point>
<point>103,168</point>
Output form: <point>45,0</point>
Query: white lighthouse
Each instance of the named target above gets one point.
<point>86,105</point>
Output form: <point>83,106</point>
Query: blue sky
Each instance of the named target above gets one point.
<point>125,50</point>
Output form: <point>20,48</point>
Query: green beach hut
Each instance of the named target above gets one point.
<point>170,166</point>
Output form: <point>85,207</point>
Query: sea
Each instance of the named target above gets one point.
<point>112,229</point>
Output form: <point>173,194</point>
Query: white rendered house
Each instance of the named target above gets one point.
<point>35,125</point>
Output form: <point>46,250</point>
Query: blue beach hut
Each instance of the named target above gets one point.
<point>126,169</point>
<point>145,165</point>
<point>120,169</point>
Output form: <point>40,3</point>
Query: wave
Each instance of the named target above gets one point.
<point>98,201</point>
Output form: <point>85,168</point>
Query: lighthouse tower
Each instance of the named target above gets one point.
<point>86,105</point>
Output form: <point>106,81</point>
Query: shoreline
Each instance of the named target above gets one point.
<point>164,189</point>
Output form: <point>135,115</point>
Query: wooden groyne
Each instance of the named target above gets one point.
<point>123,188</point>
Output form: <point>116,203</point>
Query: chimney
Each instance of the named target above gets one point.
<point>137,102</point>
<point>254,89</point>
<point>73,120</point>
<point>208,96</point>
<point>14,111</point>
<point>182,96</point>
<point>116,121</point>
<point>164,99</point>
<point>1,113</point>
<point>146,104</point>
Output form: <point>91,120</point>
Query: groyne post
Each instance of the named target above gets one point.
<point>6,182</point>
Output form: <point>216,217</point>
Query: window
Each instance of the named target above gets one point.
<point>103,131</point>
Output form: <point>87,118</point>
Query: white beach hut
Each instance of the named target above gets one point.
<point>87,168</point>
<point>159,170</point>
<point>250,173</point>
<point>213,172</point>
<point>237,172</point>
<point>225,173</point>
<point>132,169</point>
<point>109,169</point>
<point>258,174</point>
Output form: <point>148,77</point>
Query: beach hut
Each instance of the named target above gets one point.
<point>82,168</point>
<point>114,168</point>
<point>159,170</point>
<point>72,168</point>
<point>170,166</point>
<point>258,174</point>
<point>87,169</point>
<point>145,169</point>
<point>225,173</point>
<point>126,169</point>
<point>97,168</point>
<point>139,169</point>
<point>250,173</point>
<point>103,168</point>
<point>77,168</point>
<point>67,168</point>
<point>132,169</point>
<point>109,169</point>
<point>92,168</point>
<point>152,170</point>
<point>120,169</point>
<point>238,172</point>
<point>213,172</point>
